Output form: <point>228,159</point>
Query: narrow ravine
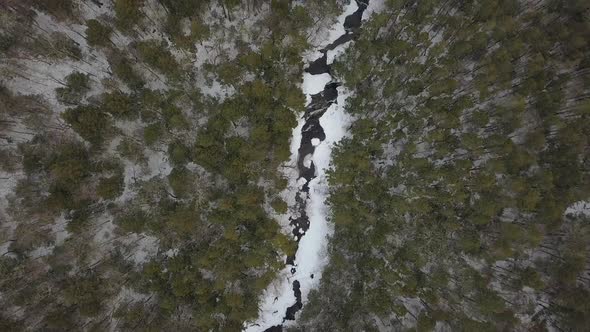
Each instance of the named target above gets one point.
<point>321,126</point>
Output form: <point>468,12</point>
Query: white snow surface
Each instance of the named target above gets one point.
<point>579,209</point>
<point>146,248</point>
<point>333,54</point>
<point>311,256</point>
<point>374,6</point>
<point>338,28</point>
<point>313,84</point>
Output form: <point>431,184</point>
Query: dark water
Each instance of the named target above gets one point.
<point>312,129</point>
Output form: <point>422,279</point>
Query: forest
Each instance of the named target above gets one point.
<point>459,199</point>
<point>146,172</point>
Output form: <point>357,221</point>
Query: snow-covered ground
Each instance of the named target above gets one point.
<point>337,29</point>
<point>579,209</point>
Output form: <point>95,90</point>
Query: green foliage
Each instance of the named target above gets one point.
<point>425,323</point>
<point>199,30</point>
<point>127,13</point>
<point>97,34</point>
<point>152,133</point>
<point>174,118</point>
<point>89,122</point>
<point>59,320</point>
<point>132,221</point>
<point>217,247</point>
<point>469,139</point>
<point>111,187</point>
<point>182,220</point>
<point>123,69</point>
<point>87,293</point>
<point>61,169</point>
<point>132,151</point>
<point>189,287</point>
<point>453,175</point>
<point>183,8</point>
<point>9,160</point>
<point>181,181</point>
<point>69,163</point>
<point>7,41</point>
<point>279,205</point>
<point>61,9</point>
<point>178,153</point>
<point>79,218</point>
<point>157,55</point>
<point>120,105</point>
<point>531,278</point>
<point>62,46</point>
<point>77,85</point>
<point>489,302</point>
<point>130,315</point>
<point>178,11</point>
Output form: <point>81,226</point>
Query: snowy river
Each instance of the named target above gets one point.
<point>322,125</point>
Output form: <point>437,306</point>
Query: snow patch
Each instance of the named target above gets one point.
<point>146,248</point>
<point>333,54</point>
<point>276,298</point>
<point>374,6</point>
<point>307,160</point>
<point>579,209</point>
<point>301,182</point>
<point>338,28</point>
<point>313,84</point>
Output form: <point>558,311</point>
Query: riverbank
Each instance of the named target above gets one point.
<point>319,129</point>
